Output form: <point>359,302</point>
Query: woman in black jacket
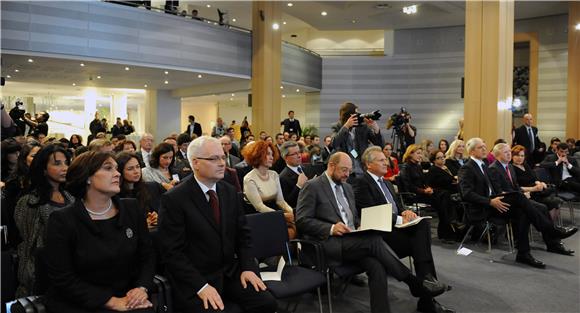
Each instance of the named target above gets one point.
<point>98,252</point>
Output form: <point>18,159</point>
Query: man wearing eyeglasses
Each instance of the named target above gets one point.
<point>415,241</point>
<point>205,241</point>
<point>294,175</point>
<point>326,212</point>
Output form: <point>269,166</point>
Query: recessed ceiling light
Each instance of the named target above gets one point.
<point>8,76</point>
<point>145,85</point>
<point>231,99</point>
<point>233,94</point>
<point>209,5</point>
<point>290,4</point>
<point>127,68</point>
<point>412,9</point>
<point>284,23</point>
<point>323,13</point>
<point>166,82</point>
<point>30,61</point>
<point>234,20</point>
<point>353,21</point>
<point>74,84</point>
<point>578,26</point>
<point>16,70</point>
<point>281,87</point>
<point>297,90</point>
<point>99,77</point>
<point>283,96</point>
<point>275,26</point>
<point>166,72</point>
<point>199,76</point>
<point>82,64</point>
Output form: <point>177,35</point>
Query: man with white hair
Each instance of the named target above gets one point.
<point>478,189</point>
<point>146,145</point>
<point>205,241</point>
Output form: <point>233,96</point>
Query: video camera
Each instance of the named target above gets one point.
<point>397,120</point>
<point>375,116</point>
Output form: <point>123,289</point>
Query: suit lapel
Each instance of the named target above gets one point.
<point>375,190</point>
<point>330,194</point>
<point>224,214</point>
<point>202,204</point>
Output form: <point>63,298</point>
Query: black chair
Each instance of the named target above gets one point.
<point>408,198</point>
<point>479,217</point>
<point>270,239</point>
<point>570,198</point>
<point>31,304</point>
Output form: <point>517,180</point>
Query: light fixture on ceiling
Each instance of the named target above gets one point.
<point>290,4</point>
<point>281,87</point>
<point>234,20</point>
<point>283,96</point>
<point>145,85</point>
<point>74,84</point>
<point>275,26</point>
<point>16,70</point>
<point>353,21</point>
<point>166,82</point>
<point>30,61</point>
<point>127,68</point>
<point>412,9</point>
<point>208,5</point>
<point>231,99</point>
<point>82,64</point>
<point>323,13</point>
<point>284,23</point>
<point>233,94</point>
<point>8,76</point>
<point>99,77</point>
<point>577,26</point>
<point>297,90</point>
<point>166,72</point>
<point>199,76</point>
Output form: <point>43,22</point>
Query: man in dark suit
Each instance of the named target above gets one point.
<point>326,213</point>
<point>205,241</point>
<point>415,241</point>
<point>145,150</point>
<point>231,160</point>
<point>294,175</point>
<point>292,125</point>
<point>326,149</point>
<point>193,127</point>
<point>564,171</point>
<point>503,177</point>
<point>352,138</point>
<point>477,189</point>
<point>527,136</point>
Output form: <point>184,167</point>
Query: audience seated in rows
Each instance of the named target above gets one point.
<point>564,170</point>
<point>455,157</point>
<point>392,163</point>
<point>294,175</point>
<point>160,164</point>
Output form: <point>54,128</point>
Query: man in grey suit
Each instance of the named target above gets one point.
<point>231,160</point>
<point>326,212</point>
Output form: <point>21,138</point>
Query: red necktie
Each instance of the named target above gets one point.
<point>214,203</point>
<point>507,169</point>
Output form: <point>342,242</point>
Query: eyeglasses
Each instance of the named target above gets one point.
<point>214,158</point>
<point>293,154</point>
<point>345,170</point>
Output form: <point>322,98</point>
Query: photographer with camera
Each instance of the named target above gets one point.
<point>39,125</point>
<point>354,132</point>
<point>403,132</point>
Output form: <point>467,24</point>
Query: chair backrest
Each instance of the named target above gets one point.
<point>543,174</point>
<point>269,234</point>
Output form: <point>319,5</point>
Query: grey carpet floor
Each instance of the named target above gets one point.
<point>483,282</point>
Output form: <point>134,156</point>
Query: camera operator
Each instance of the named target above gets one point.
<point>353,133</point>
<point>38,126</point>
<point>409,132</point>
<point>17,115</point>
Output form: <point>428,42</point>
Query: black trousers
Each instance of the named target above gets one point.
<point>231,291</point>
<point>371,252</point>
<point>571,184</point>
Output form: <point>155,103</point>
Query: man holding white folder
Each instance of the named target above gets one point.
<point>415,241</point>
<point>326,213</point>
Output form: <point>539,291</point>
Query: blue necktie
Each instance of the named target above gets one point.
<point>388,196</point>
<point>531,135</point>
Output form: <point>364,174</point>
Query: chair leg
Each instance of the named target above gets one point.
<point>531,235</point>
<point>465,237</point>
<point>488,241</point>
<point>329,291</point>
<point>510,235</point>
<point>571,205</point>
<point>411,264</point>
<point>319,299</point>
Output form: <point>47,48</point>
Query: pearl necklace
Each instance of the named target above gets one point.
<point>100,213</point>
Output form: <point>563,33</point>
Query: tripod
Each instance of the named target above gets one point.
<point>398,141</point>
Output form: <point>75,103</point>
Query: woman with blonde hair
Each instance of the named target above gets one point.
<point>455,156</point>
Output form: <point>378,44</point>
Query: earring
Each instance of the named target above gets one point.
<point>88,181</point>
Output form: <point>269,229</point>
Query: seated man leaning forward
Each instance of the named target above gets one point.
<point>205,241</point>
<point>326,212</point>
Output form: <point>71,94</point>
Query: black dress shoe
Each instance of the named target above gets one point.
<point>432,306</point>
<point>433,288</point>
<point>560,249</point>
<point>528,259</point>
<point>565,232</point>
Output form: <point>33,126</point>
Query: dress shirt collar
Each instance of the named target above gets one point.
<point>375,177</point>
<point>332,183</point>
<point>205,188</point>
<point>294,168</point>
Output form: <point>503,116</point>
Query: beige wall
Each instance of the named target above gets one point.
<point>205,113</point>
<point>339,42</point>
